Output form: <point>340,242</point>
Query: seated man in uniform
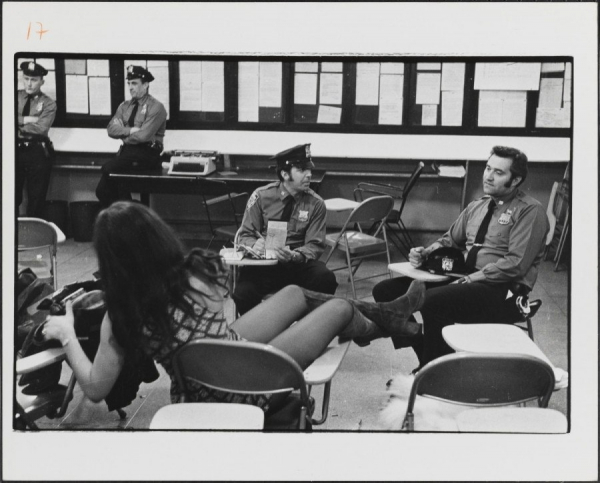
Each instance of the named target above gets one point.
<point>140,124</point>
<point>503,234</point>
<point>291,200</point>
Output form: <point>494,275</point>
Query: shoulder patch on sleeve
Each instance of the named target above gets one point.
<point>252,200</point>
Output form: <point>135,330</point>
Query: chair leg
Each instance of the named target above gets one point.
<point>325,405</point>
<point>349,261</point>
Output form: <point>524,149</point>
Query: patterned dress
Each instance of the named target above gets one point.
<point>192,321</point>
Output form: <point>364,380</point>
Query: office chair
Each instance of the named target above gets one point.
<point>35,235</point>
<point>358,245</point>
<point>482,380</point>
<point>216,416</point>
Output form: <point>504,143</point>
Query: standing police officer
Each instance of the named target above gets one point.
<point>291,200</point>
<point>140,123</point>
<point>35,153</point>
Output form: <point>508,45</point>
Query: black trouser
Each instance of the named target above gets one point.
<point>34,167</point>
<point>131,157</point>
<point>256,282</point>
<point>447,304</point>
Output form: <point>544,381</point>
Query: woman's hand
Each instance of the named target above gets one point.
<point>61,327</point>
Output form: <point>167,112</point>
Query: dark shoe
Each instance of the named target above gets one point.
<point>395,315</point>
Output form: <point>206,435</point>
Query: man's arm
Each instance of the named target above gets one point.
<point>41,124</point>
<point>314,240</point>
<point>116,128</point>
<point>157,115</point>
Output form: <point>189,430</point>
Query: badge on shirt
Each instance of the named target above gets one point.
<point>303,215</point>
<point>144,109</point>
<point>505,217</point>
<point>252,200</point>
<point>39,106</point>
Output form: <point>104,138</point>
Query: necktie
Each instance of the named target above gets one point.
<point>478,243</point>
<point>287,209</point>
<point>133,113</point>
<point>27,106</point>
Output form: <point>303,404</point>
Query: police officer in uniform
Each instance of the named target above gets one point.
<point>140,124</point>
<point>503,236</point>
<point>289,199</point>
<point>35,153</point>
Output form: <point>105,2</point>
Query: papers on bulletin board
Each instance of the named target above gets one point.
<point>568,70</point>
<point>452,108</point>
<point>97,68</point>
<point>390,99</point>
<point>50,84</point>
<point>453,76</point>
<point>367,83</point>
<point>428,88</point>
<point>392,67</point>
<point>551,93</point>
<point>190,86</point>
<point>429,115</point>
<point>307,67</point>
<point>77,93</point>
<point>553,66</point>
<point>502,108</point>
<point>270,84</point>
<point>160,85</point>
<point>554,117</point>
<point>99,88</point>
<point>75,67</point>
<point>213,86</point>
<point>331,89</point>
<point>567,91</point>
<point>329,115</point>
<point>305,88</point>
<point>248,92</point>
<point>429,65</point>
<point>507,76</point>
<point>332,66</point>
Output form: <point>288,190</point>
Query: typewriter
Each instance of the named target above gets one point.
<point>193,163</point>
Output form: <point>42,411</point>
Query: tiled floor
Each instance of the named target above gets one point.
<point>359,388</point>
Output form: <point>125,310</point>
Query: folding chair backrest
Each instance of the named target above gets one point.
<point>35,233</point>
<point>238,366</point>
<point>410,183</point>
<point>371,210</point>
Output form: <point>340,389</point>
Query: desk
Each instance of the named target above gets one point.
<point>158,181</point>
<point>407,270</point>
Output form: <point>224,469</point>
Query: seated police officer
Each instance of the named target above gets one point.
<point>35,154</point>
<point>140,124</point>
<point>503,234</point>
<point>291,200</point>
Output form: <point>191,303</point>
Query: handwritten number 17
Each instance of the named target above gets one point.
<point>41,30</point>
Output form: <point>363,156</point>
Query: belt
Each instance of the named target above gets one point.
<point>153,145</point>
<point>31,143</point>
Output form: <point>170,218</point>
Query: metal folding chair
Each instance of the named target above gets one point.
<point>35,235</point>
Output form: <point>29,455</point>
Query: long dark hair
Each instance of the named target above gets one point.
<point>143,269</point>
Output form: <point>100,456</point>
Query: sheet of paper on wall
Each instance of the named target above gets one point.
<point>390,99</point>
<point>307,67</point>
<point>160,85</point>
<point>367,83</point>
<point>305,88</point>
<point>392,67</point>
<point>276,237</point>
<point>453,76</point>
<point>502,108</point>
<point>567,91</point>
<point>270,85</point>
<point>46,62</point>
<point>329,115</point>
<point>330,91</point>
<point>332,66</point>
<point>553,66</point>
<point>551,93</point>
<point>568,70</point>
<point>429,115</point>
<point>507,76</point>
<point>428,88</point>
<point>429,65</point>
<point>74,67</point>
<point>97,68</point>
<point>50,85</point>
<point>559,118</point>
<point>452,108</point>
<point>190,86</point>
<point>451,171</point>
<point>99,89</point>
<point>157,63</point>
<point>77,93</point>
<point>213,87</point>
<point>248,92</point>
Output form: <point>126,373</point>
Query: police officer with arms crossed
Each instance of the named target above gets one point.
<point>291,200</point>
<point>35,153</point>
<point>140,123</point>
<point>513,239</point>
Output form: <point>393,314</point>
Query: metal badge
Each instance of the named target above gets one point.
<point>39,106</point>
<point>144,109</point>
<point>308,150</point>
<point>303,215</point>
<point>31,65</point>
<point>252,200</point>
<point>447,264</point>
<point>504,219</point>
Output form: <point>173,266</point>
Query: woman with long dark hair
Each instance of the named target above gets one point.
<point>158,299</point>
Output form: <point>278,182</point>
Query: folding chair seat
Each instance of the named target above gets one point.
<point>34,236</point>
<point>217,416</point>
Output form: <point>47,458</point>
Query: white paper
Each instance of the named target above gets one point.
<point>276,237</point>
<point>452,108</point>
<point>329,115</point>
<point>307,67</point>
<point>568,70</point>
<point>99,88</point>
<point>47,63</point>
<point>97,68</point>
<point>452,171</point>
<point>429,115</point>
<point>160,86</point>
<point>553,66</point>
<point>77,94</point>
<point>429,66</point>
<point>305,88</point>
<point>567,91</point>
<point>270,84</point>
<point>502,108</point>
<point>75,66</point>
<point>551,93</point>
<point>507,76</point>
<point>428,88</point>
<point>213,86</point>
<point>330,91</point>
<point>367,83</point>
<point>390,99</point>
<point>248,91</point>
<point>453,76</point>
<point>553,117</point>
<point>190,86</point>
<point>49,87</point>
<point>156,63</point>
<point>392,67</point>
<point>332,66</point>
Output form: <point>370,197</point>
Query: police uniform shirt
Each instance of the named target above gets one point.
<point>306,227</point>
<point>514,243</point>
<point>42,107</point>
<point>151,118</point>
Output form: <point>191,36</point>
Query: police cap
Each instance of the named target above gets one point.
<point>446,260</point>
<point>138,72</point>
<point>33,69</point>
<point>298,156</point>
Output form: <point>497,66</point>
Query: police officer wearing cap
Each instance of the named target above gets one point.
<point>289,199</point>
<point>35,153</point>
<point>502,236</point>
<point>140,124</point>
